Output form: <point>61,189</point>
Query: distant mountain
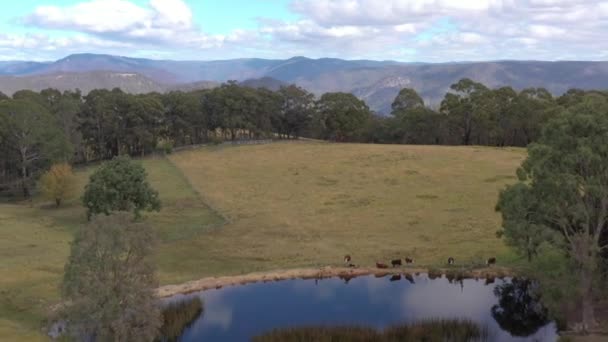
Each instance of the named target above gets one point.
<point>264,82</point>
<point>85,81</point>
<point>376,82</point>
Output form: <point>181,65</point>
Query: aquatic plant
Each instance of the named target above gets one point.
<point>178,316</point>
<point>429,330</point>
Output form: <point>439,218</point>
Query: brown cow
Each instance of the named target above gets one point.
<point>346,259</point>
<point>451,261</point>
<point>381,265</point>
<point>491,261</point>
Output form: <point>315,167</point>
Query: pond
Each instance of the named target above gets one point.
<point>506,308</point>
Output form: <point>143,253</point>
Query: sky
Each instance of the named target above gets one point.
<point>401,30</point>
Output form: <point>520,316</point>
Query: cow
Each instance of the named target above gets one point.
<point>381,265</point>
<point>352,265</point>
<point>451,261</point>
<point>347,259</point>
<point>396,262</point>
<point>409,261</point>
<point>491,261</point>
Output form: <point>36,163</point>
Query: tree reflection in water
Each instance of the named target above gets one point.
<point>178,316</point>
<point>519,310</point>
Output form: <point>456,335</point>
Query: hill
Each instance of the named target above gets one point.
<point>85,81</point>
<point>376,82</point>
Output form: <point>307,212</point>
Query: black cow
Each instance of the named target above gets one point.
<point>409,261</point>
<point>491,261</point>
<point>396,262</point>
<point>451,261</point>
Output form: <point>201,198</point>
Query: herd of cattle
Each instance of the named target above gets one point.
<point>399,262</point>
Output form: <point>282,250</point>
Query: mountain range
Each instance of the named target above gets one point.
<point>376,82</point>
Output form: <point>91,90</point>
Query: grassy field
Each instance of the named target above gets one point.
<point>35,237</point>
<point>303,204</point>
<point>284,205</point>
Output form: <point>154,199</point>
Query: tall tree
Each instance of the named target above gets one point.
<point>564,188</point>
<point>466,108</point>
<point>407,99</point>
<point>31,134</point>
<point>342,116</point>
<point>109,281</point>
<point>297,109</point>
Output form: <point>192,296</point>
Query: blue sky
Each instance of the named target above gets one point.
<point>405,30</point>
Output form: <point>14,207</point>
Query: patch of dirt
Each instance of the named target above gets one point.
<point>311,273</point>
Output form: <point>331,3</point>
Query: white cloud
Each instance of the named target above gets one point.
<point>422,30</point>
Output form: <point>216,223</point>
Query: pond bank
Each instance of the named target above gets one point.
<point>320,273</point>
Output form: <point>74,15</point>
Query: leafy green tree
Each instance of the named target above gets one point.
<point>109,281</point>
<point>3,96</point>
<point>407,99</point>
<point>563,189</point>
<point>119,185</point>
<point>32,136</point>
<point>342,116</point>
<point>466,109</point>
<point>297,108</point>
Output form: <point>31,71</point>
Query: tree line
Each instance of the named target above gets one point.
<point>38,129</point>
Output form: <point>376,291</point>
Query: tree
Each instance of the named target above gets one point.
<point>109,281</point>
<point>465,108</point>
<point>58,183</point>
<point>119,185</point>
<point>407,99</point>
<point>297,108</point>
<point>563,184</point>
<point>31,134</point>
<point>341,116</point>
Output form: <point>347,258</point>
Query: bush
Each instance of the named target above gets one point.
<point>58,183</point>
<point>119,185</point>
<point>165,146</point>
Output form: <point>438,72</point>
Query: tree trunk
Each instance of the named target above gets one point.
<point>588,312</point>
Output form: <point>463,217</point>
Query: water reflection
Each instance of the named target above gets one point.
<point>519,310</point>
<point>238,313</point>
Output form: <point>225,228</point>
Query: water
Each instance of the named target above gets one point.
<point>240,312</point>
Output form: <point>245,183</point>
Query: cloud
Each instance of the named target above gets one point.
<point>421,30</point>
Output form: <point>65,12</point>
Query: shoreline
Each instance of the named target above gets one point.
<point>218,282</point>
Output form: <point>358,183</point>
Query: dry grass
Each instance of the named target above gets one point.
<point>306,204</point>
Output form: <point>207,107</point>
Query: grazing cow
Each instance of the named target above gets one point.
<point>346,259</point>
<point>381,265</point>
<point>395,277</point>
<point>396,262</point>
<point>491,261</point>
<point>451,261</point>
<point>352,265</point>
<point>409,261</point>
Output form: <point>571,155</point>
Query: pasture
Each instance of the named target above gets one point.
<point>235,210</point>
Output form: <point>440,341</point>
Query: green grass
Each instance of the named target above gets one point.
<point>35,237</point>
<point>284,205</point>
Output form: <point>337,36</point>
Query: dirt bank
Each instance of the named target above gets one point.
<point>319,273</point>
